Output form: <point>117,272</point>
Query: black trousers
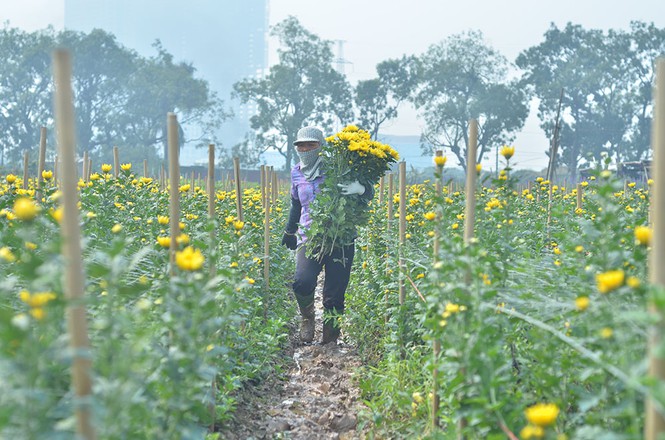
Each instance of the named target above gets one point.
<point>337,274</point>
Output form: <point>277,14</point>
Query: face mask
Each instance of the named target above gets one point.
<point>310,163</point>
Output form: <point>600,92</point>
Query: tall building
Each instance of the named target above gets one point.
<point>225,40</point>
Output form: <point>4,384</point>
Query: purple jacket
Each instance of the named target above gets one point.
<point>304,192</point>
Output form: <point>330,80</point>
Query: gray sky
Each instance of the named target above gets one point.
<point>376,30</point>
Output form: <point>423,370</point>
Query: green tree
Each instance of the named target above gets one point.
<point>102,69</point>
<point>378,99</point>
<point>25,90</point>
<point>160,85</point>
<point>303,88</point>
<point>460,79</point>
<point>647,43</point>
<point>593,69</point>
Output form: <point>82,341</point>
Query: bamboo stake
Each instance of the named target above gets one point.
<point>192,185</point>
<point>116,162</point>
<point>381,185</point>
<point>266,241</point>
<point>55,170</point>
<point>470,212</point>
<point>275,188</point>
<point>162,178</point>
<point>89,170</point>
<point>262,184</point>
<point>389,222</point>
<point>42,155</point>
<point>580,190</point>
<point>211,203</point>
<point>71,246</point>
<point>25,170</point>
<point>174,177</point>
<point>549,209</point>
<point>436,344</point>
<point>85,174</point>
<point>211,255</point>
<point>654,425</point>
<point>41,162</point>
<point>236,172</point>
<point>402,229</point>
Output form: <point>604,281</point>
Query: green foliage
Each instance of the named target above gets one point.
<point>606,78</point>
<point>301,89</point>
<point>122,98</point>
<point>168,352</point>
<point>461,78</point>
<point>506,312</point>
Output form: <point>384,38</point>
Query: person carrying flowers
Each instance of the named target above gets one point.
<point>331,188</point>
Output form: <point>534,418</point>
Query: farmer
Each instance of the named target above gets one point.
<point>306,176</point>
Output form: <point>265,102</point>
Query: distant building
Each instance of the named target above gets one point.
<point>226,40</point>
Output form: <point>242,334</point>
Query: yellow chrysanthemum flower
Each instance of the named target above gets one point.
<point>542,414</point>
<point>7,255</point>
<point>126,166</point>
<point>25,208</point>
<point>582,303</point>
<point>507,151</point>
<point>530,431</point>
<point>643,235</point>
<point>164,242</point>
<point>429,215</point>
<point>189,259</point>
<point>182,239</point>
<point>610,280</point>
<point>163,219</point>
<point>47,174</point>
<point>106,168</point>
<point>606,333</point>
<point>440,161</point>
<point>10,178</point>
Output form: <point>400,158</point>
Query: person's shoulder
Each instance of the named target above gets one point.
<point>295,170</point>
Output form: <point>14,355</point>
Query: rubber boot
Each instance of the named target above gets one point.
<point>307,323</point>
<point>331,331</point>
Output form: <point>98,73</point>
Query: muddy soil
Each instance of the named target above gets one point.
<point>315,399</point>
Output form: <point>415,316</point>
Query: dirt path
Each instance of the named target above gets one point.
<point>315,399</point>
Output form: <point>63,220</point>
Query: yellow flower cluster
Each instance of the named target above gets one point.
<point>360,141</point>
<point>36,302</point>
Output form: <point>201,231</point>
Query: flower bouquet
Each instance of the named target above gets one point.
<point>350,155</point>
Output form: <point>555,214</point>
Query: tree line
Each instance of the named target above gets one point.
<point>606,78</point>
<point>121,97</point>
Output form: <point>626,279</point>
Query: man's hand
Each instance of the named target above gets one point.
<point>290,241</point>
<point>352,188</point>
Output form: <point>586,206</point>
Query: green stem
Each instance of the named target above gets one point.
<point>631,383</point>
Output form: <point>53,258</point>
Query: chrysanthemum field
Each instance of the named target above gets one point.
<point>542,324</point>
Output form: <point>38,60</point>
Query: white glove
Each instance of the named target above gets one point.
<point>352,188</point>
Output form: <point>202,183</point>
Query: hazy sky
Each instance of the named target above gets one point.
<point>376,30</point>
